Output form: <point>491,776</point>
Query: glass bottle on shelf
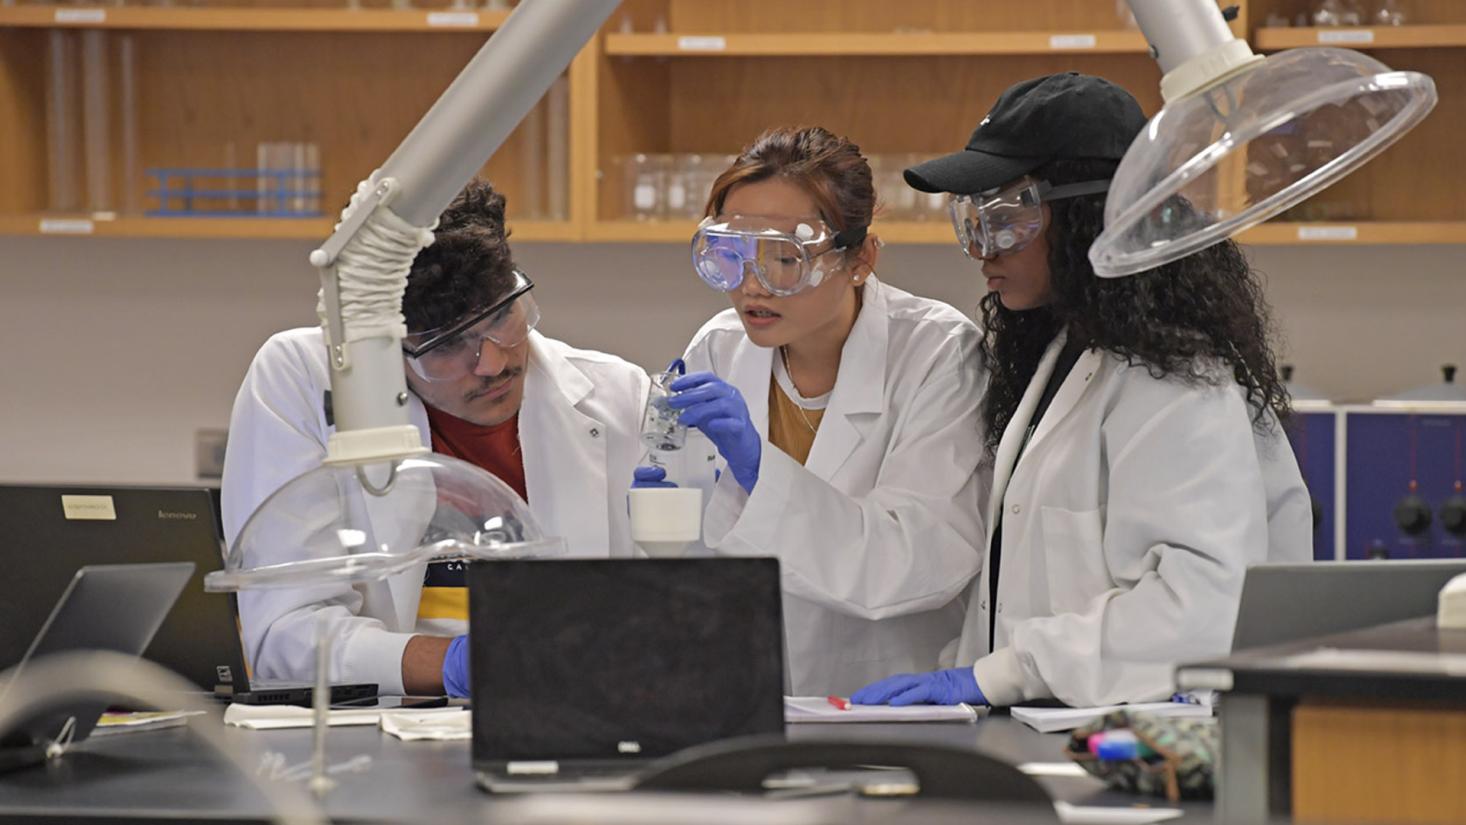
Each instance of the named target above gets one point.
<point>645,187</point>
<point>1389,13</point>
<point>1337,13</point>
<point>676,188</point>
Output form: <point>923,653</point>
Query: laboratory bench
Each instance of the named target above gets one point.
<point>1363,726</point>
<point>171,775</point>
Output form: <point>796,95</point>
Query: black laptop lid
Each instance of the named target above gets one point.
<point>603,658</point>
<point>47,533</point>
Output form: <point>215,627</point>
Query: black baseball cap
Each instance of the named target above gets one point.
<point>1069,116</point>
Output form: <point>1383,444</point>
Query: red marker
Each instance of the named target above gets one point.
<point>842,704</point>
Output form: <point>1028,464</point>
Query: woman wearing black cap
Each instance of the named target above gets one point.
<point>1134,424</point>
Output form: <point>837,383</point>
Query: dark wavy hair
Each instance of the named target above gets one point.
<point>1184,319</point>
<point>468,265</point>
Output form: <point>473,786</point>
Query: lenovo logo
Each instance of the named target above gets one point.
<point>168,515</point>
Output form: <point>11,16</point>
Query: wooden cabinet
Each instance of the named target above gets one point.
<point>666,77</point>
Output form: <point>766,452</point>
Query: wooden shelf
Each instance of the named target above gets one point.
<point>1383,37</point>
<point>250,19</point>
<point>897,232</point>
<point>317,229</point>
<point>1282,233</point>
<point>815,44</point>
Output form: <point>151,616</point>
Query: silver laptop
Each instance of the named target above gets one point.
<point>1286,602</point>
<point>114,607</point>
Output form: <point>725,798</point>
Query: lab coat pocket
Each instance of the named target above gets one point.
<point>1074,557</point>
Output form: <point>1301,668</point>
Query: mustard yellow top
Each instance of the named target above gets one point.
<point>791,427</point>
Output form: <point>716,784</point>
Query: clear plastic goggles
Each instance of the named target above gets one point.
<point>785,255</point>
<point>1003,221</point>
<point>452,351</point>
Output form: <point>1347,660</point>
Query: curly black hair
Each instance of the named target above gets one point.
<point>469,264</point>
<point>1182,319</point>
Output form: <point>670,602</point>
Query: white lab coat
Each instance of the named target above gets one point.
<point>1127,526</point>
<point>877,535</point>
<point>579,430</point>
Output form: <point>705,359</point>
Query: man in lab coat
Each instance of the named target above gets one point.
<point>559,425</point>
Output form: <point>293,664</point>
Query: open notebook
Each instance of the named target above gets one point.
<point>1054,720</point>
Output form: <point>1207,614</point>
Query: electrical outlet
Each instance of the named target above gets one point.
<point>208,451</point>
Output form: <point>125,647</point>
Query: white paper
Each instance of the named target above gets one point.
<point>819,709</point>
<point>414,725</point>
<point>274,717</point>
<point>1066,770</point>
<point>1054,720</point>
<point>1105,815</point>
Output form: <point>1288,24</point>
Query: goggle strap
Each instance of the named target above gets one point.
<point>1074,190</point>
<point>846,238</point>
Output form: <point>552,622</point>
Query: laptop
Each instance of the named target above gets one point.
<point>584,671</point>
<point>116,607</point>
<point>50,532</point>
<point>1286,602</point>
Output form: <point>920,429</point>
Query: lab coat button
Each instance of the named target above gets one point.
<point>1017,508</point>
<point>1000,607</point>
<point>984,604</point>
<point>595,432</point>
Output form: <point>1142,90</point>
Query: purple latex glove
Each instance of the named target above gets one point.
<point>943,687</point>
<point>717,408</point>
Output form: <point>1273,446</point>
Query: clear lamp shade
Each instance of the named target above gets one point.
<point>367,523</point>
<point>1216,162</point>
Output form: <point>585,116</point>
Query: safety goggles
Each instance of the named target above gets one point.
<point>450,352</point>
<point>1003,221</point>
<point>787,256</point>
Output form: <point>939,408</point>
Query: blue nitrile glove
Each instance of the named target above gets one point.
<point>455,668</point>
<point>716,407</point>
<point>942,687</point>
<point>650,477</point>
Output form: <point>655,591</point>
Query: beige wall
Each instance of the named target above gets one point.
<point>115,351</point>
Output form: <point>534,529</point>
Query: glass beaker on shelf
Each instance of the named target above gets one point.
<point>1389,13</point>
<point>1337,13</point>
<point>646,187</point>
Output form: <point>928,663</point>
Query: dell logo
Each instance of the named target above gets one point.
<point>628,746</point>
<point>168,515</point>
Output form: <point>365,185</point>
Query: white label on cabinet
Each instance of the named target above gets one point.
<point>452,19</point>
<point>701,44</point>
<point>1348,36</point>
<point>66,226</point>
<point>1328,233</point>
<point>81,15</point>
<point>1072,41</point>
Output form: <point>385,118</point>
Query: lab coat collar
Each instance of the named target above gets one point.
<point>1063,402</point>
<point>565,452</point>
<point>564,377</point>
<point>860,386</point>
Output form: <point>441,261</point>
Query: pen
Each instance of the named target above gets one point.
<point>838,702</point>
<point>1185,699</point>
